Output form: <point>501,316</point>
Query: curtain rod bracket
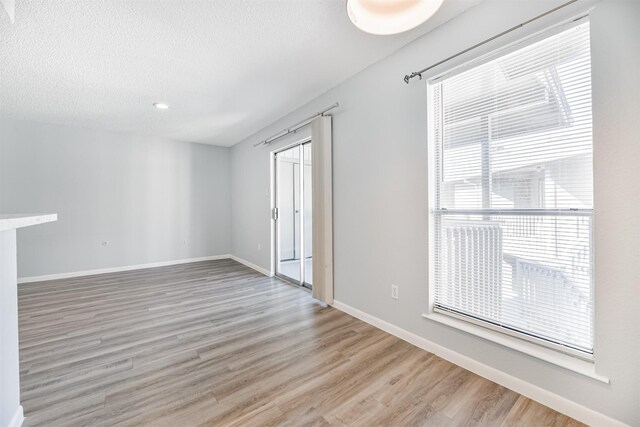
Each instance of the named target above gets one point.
<point>408,77</point>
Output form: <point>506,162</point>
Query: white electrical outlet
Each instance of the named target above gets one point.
<point>259,247</point>
<point>184,242</point>
<point>394,291</point>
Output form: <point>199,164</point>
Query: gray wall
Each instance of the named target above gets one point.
<point>380,196</point>
<point>152,199</point>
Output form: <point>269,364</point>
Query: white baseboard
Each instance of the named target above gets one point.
<point>18,418</point>
<point>252,265</point>
<point>118,269</point>
<point>547,398</point>
<point>139,267</point>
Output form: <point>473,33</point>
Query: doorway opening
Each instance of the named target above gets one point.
<point>293,214</point>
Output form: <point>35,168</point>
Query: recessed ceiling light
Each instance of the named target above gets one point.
<point>160,105</point>
<point>384,17</point>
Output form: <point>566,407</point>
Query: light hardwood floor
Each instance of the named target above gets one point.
<point>215,343</point>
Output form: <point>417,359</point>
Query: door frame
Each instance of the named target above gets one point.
<point>274,223</point>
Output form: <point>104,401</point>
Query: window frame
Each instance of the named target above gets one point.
<point>558,354</point>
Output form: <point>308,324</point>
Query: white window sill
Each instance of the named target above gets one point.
<point>583,367</point>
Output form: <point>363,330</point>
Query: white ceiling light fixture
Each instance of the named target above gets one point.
<point>384,17</point>
<point>160,106</point>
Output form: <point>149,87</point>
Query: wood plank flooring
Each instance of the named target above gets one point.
<point>215,343</point>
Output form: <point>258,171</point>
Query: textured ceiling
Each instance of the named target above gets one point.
<point>227,68</point>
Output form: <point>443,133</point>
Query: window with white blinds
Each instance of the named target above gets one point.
<point>512,201</point>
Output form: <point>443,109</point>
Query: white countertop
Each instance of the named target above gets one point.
<point>10,221</point>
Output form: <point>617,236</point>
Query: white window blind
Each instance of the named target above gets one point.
<point>511,228</point>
